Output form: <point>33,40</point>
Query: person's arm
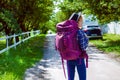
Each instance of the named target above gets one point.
<point>83,40</point>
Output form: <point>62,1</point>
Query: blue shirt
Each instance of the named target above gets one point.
<point>82,39</point>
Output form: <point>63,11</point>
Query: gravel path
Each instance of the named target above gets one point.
<point>101,67</point>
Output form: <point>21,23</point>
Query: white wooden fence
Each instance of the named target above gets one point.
<point>112,28</point>
<point>29,35</point>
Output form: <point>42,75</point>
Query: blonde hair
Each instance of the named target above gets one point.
<point>80,21</point>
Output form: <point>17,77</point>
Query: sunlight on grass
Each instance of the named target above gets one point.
<point>2,44</point>
<point>9,76</point>
<point>14,62</point>
<point>110,43</point>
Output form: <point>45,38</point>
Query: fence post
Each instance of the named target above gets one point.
<point>28,34</point>
<point>14,41</point>
<point>32,33</point>
<point>7,41</point>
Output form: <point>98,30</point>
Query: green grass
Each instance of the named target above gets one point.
<point>110,43</point>
<point>14,62</point>
<point>2,44</point>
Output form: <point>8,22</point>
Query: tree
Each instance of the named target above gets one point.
<point>9,23</point>
<point>28,13</point>
<point>55,18</point>
<point>104,10</point>
<point>70,6</point>
<point>23,15</point>
<point>33,13</point>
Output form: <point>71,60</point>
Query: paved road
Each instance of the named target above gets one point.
<point>101,67</point>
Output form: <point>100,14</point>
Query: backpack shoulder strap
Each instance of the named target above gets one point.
<point>63,67</point>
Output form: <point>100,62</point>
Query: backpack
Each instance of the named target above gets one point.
<point>66,40</point>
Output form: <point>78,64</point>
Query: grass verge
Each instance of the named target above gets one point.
<point>109,44</point>
<point>14,62</point>
<point>2,44</point>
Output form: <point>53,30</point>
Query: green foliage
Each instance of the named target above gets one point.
<point>105,10</point>
<point>57,17</point>
<point>34,13</point>
<point>14,63</point>
<point>60,16</point>
<point>108,44</point>
<point>50,24</point>
<point>28,13</point>
<point>11,22</point>
<point>2,44</point>
<point>70,6</point>
<point>66,8</point>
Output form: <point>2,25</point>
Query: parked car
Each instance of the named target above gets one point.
<point>93,31</point>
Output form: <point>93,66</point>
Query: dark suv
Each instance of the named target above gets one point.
<point>93,31</point>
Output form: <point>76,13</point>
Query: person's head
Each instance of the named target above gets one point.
<point>78,18</point>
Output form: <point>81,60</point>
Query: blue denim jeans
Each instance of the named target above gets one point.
<point>81,69</point>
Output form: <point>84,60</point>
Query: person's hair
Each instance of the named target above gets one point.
<point>75,16</point>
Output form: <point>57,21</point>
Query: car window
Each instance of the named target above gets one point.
<point>92,26</point>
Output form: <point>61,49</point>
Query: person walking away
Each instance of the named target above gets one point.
<point>71,42</point>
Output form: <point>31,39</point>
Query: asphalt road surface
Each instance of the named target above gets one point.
<point>101,66</point>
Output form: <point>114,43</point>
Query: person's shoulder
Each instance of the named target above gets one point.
<point>80,31</point>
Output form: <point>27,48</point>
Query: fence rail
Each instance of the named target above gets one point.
<point>29,35</point>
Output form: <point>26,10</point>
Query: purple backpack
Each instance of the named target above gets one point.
<point>66,40</point>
